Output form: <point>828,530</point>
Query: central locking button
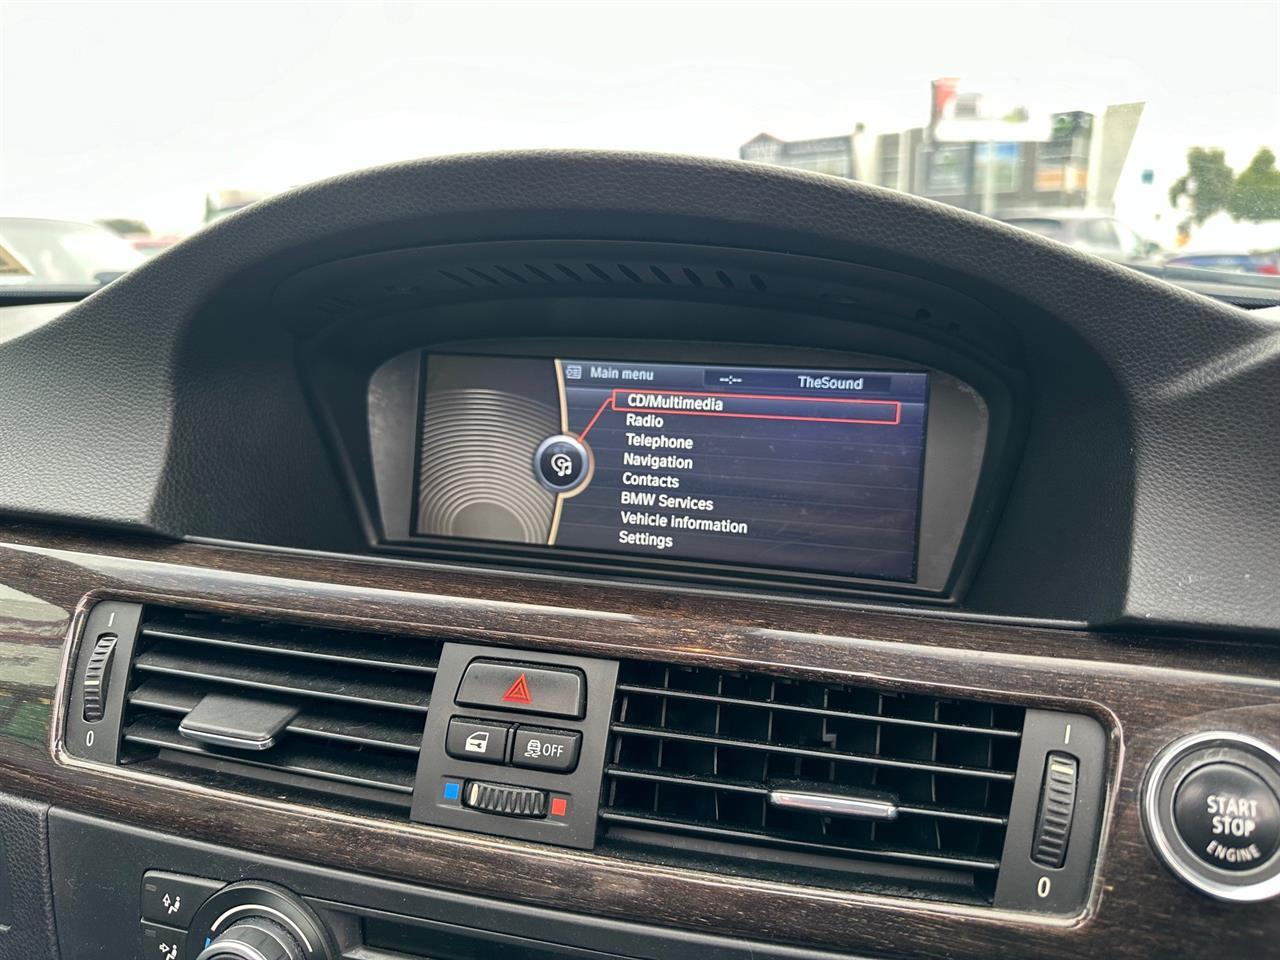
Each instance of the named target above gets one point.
<point>480,740</point>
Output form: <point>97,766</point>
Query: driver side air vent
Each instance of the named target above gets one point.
<point>844,785</point>
<point>289,706</point>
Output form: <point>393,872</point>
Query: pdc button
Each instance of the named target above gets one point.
<point>1228,816</point>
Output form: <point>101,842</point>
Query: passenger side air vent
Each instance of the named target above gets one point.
<point>839,783</point>
<point>303,707</point>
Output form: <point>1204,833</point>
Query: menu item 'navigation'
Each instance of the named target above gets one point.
<point>785,468</point>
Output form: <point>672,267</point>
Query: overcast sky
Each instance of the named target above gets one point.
<point>114,109</point>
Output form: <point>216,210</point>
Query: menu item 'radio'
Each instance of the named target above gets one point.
<point>785,468</point>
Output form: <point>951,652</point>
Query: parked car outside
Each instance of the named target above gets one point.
<point>1093,231</point>
<point>1265,263</point>
<point>65,252</point>
<point>149,246</point>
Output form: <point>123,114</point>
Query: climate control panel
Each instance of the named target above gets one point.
<point>194,918</point>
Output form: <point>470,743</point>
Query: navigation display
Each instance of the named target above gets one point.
<point>783,468</point>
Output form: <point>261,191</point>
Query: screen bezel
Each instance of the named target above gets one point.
<point>957,428</point>
<point>429,353</point>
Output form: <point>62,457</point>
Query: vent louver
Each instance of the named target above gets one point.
<point>580,272</point>
<point>356,702</point>
<point>339,297</point>
<point>696,754</point>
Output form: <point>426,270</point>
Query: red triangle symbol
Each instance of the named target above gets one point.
<point>518,692</point>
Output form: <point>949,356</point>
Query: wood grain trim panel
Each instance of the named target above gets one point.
<point>1149,691</point>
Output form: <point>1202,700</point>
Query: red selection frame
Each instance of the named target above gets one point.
<point>612,402</point>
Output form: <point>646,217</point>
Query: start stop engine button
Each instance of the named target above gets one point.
<point>1211,808</point>
<point>1228,816</point>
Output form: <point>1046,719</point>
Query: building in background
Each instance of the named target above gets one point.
<point>831,155</point>
<point>978,154</point>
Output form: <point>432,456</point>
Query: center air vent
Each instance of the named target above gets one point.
<point>815,782</point>
<point>305,707</point>
<point>829,779</point>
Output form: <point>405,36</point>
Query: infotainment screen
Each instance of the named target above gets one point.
<point>795,469</point>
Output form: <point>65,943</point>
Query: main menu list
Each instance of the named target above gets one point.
<point>793,468</point>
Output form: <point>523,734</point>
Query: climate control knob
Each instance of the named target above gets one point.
<point>258,921</point>
<point>254,938</point>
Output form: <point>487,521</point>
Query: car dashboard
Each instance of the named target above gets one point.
<point>602,555</point>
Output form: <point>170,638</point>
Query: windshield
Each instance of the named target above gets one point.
<point>57,252</point>
<point>1053,229</point>
<point>1139,132</point>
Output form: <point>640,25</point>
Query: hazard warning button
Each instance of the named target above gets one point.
<point>524,688</point>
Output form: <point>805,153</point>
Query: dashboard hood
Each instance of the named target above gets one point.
<point>92,433</point>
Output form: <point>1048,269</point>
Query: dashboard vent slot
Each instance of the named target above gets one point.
<point>700,759</point>
<point>355,703</point>
<point>578,272</point>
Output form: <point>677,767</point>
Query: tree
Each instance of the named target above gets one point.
<point>1207,183</point>
<point>1256,195</point>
